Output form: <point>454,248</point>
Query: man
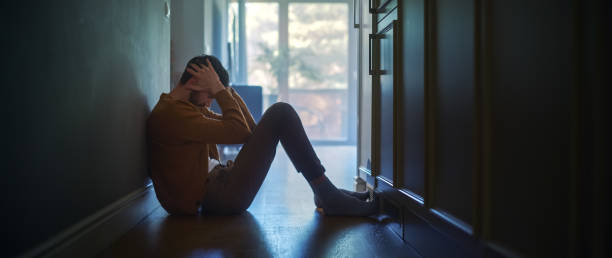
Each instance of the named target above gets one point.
<point>182,135</point>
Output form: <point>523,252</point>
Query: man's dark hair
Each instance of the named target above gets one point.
<point>201,60</point>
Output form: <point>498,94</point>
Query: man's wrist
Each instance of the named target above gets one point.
<point>216,89</point>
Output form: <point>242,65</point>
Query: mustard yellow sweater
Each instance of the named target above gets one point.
<point>181,137</point>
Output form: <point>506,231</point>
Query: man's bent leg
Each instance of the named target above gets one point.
<point>281,123</point>
<point>296,144</point>
<point>251,165</point>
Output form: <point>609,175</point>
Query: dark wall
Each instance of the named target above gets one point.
<point>412,99</point>
<point>532,78</point>
<point>594,229</point>
<point>80,78</point>
<point>516,138</point>
<point>453,50</point>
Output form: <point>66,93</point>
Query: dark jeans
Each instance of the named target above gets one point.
<point>231,189</point>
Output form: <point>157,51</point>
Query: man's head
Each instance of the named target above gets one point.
<point>203,98</point>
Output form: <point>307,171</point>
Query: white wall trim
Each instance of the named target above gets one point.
<point>91,235</point>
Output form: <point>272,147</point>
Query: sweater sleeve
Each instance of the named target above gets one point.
<point>245,110</point>
<point>231,128</point>
<point>209,113</point>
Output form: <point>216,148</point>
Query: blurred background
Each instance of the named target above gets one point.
<point>298,52</point>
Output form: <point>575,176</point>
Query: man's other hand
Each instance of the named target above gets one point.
<point>204,79</point>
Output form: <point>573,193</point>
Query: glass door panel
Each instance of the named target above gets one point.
<point>319,69</point>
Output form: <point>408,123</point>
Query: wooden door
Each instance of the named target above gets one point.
<point>387,103</point>
<point>411,99</point>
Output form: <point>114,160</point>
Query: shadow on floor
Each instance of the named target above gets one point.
<point>281,222</point>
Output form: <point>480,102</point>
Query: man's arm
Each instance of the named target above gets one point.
<point>209,113</point>
<point>245,110</point>
<point>229,129</point>
<point>192,125</point>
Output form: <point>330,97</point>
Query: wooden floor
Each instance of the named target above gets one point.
<point>281,222</point>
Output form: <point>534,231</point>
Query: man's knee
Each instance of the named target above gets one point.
<point>278,112</point>
<point>281,106</point>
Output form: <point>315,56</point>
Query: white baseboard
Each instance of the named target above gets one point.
<point>93,234</point>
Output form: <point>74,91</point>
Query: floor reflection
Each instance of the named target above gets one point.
<point>281,222</point>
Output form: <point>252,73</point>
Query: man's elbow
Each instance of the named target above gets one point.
<point>240,134</point>
<point>245,135</point>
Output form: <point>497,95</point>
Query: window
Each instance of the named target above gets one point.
<point>299,53</point>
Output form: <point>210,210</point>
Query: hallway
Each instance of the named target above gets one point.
<point>483,125</point>
<point>281,222</point>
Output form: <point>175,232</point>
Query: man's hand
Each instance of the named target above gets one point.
<point>204,79</point>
